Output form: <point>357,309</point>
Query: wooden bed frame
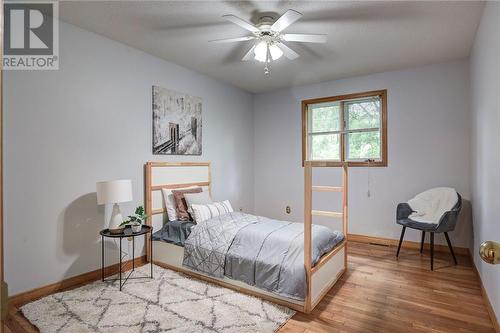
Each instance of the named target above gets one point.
<point>320,278</point>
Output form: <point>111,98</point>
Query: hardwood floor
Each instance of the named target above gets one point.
<point>382,294</point>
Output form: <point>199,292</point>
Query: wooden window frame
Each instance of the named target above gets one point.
<point>334,163</point>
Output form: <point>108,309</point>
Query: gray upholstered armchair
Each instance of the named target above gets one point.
<point>446,223</point>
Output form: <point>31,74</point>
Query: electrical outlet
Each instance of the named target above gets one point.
<point>288,210</point>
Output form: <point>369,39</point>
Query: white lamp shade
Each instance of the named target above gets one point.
<point>114,191</point>
<point>275,51</point>
<point>261,51</point>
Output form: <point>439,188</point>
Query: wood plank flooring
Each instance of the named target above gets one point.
<point>382,294</point>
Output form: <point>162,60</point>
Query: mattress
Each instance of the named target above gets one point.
<point>174,232</point>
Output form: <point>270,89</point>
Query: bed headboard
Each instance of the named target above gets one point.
<point>170,175</point>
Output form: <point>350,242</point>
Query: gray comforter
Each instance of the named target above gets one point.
<point>261,252</point>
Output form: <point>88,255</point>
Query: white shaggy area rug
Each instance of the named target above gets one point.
<point>170,302</point>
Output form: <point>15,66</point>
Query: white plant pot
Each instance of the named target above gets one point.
<point>136,228</point>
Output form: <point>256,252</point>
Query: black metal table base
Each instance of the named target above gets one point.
<point>122,283</point>
<point>120,271</point>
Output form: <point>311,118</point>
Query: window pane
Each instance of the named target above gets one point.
<point>325,147</point>
<point>363,145</point>
<point>325,117</point>
<point>363,114</point>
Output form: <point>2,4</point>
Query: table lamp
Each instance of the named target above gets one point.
<point>114,191</point>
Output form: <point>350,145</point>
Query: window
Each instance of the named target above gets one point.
<point>348,128</point>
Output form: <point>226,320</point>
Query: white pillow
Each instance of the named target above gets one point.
<point>202,198</point>
<point>201,213</point>
<point>168,197</point>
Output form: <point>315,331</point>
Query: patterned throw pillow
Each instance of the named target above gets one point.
<point>180,202</point>
<point>205,212</point>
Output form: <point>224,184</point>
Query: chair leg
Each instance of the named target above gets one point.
<point>401,240</point>
<point>451,248</point>
<point>422,242</point>
<point>432,251</point>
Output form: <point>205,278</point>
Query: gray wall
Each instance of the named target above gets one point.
<point>91,121</point>
<point>485,83</point>
<point>428,139</point>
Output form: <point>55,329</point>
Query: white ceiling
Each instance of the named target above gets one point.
<point>363,37</point>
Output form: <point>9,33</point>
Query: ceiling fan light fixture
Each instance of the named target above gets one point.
<point>275,51</point>
<point>261,51</point>
<point>269,37</point>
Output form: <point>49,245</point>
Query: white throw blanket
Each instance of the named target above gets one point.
<point>430,205</point>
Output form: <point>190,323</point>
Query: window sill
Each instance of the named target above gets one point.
<point>349,164</point>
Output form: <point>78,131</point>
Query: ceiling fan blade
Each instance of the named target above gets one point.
<point>242,23</point>
<point>285,20</point>
<point>232,40</point>
<point>249,55</point>
<point>305,38</point>
<point>288,52</point>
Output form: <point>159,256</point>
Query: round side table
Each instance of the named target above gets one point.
<point>127,232</point>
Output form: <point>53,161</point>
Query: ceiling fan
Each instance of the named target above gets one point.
<point>269,37</point>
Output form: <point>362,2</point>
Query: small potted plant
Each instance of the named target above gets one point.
<point>135,221</point>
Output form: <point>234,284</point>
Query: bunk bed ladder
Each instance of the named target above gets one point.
<point>309,212</point>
